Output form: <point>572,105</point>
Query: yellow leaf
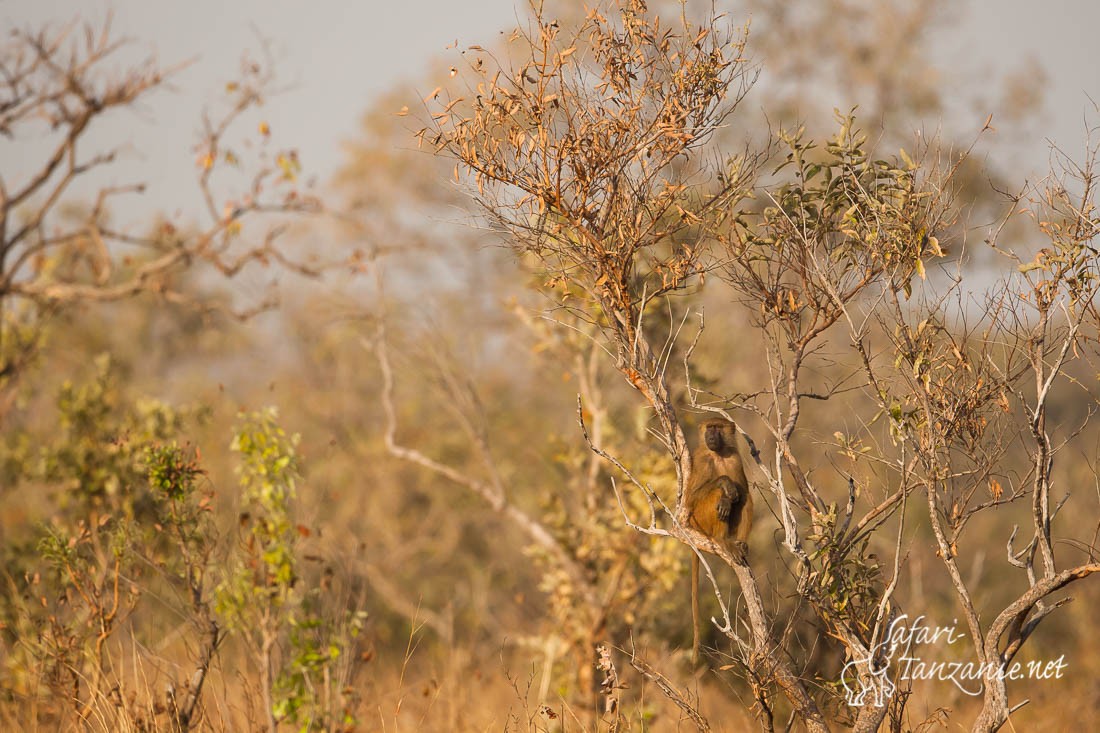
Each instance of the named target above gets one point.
<point>265,129</point>
<point>908,161</point>
<point>1036,264</point>
<point>288,165</point>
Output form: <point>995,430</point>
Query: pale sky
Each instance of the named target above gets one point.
<point>337,55</point>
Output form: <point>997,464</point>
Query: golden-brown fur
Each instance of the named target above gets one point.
<point>718,501</point>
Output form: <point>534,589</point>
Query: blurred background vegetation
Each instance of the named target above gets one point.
<point>202,523</point>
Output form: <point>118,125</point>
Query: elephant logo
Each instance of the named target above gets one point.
<point>876,689</point>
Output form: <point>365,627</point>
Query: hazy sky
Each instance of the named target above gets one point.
<point>333,55</point>
<point>336,55</point>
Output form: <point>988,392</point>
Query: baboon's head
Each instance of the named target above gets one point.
<point>719,436</point>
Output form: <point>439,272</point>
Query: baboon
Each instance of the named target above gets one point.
<point>718,502</point>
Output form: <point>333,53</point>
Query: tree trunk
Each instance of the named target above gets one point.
<point>995,707</point>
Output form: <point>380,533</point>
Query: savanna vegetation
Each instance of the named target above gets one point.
<point>435,480</point>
